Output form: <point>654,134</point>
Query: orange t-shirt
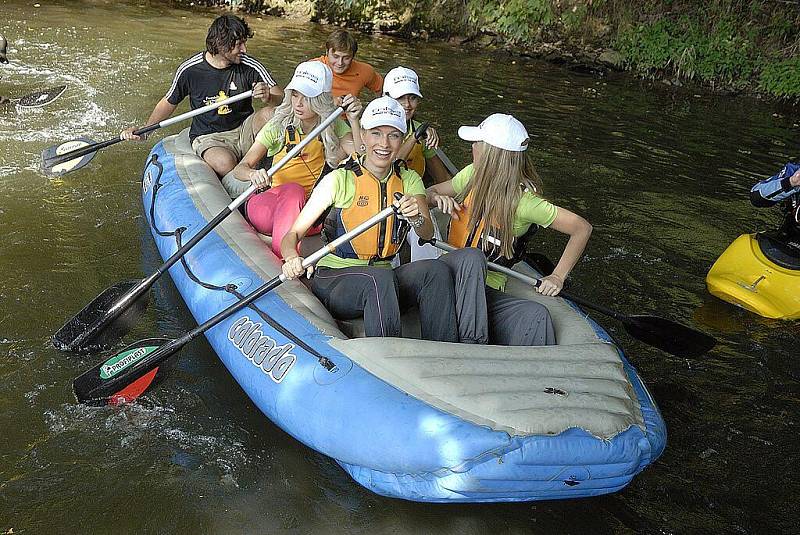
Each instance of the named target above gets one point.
<point>357,77</point>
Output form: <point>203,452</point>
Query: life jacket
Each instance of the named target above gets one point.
<point>415,159</point>
<point>306,168</point>
<point>461,235</point>
<point>382,241</point>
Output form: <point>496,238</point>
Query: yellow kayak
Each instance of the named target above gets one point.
<point>761,273</point>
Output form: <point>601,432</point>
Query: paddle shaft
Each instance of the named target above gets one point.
<point>535,282</point>
<point>422,133</point>
<point>451,168</point>
<point>278,280</point>
<point>154,359</point>
<point>147,282</point>
<point>83,151</point>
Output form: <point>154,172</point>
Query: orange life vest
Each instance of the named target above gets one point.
<point>305,168</point>
<point>460,234</point>
<point>380,242</point>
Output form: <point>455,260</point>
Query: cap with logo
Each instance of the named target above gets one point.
<point>401,81</point>
<point>384,111</point>
<point>311,78</point>
<point>499,130</point>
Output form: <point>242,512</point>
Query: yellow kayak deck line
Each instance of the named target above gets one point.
<point>745,276</point>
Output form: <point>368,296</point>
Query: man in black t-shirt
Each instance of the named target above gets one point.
<point>221,136</point>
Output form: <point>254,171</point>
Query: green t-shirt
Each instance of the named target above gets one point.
<point>531,209</point>
<point>339,185</point>
<point>273,135</point>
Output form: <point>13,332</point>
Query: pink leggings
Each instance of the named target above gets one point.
<point>273,212</point>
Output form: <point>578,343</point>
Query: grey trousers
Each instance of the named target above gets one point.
<point>489,316</point>
<point>514,321</point>
<point>379,294</point>
<point>468,270</point>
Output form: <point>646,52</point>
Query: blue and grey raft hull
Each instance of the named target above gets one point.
<point>407,418</point>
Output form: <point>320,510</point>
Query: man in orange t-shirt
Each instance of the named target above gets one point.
<point>349,76</point>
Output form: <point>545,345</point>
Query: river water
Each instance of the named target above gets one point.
<point>662,173</point>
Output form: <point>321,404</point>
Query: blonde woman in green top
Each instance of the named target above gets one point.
<point>357,279</point>
<point>493,201</point>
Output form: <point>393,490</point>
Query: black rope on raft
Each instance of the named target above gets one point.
<point>230,288</point>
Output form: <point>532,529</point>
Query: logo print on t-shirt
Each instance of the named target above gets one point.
<point>222,110</point>
<point>233,86</point>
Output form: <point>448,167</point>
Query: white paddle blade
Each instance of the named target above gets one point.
<point>70,165</point>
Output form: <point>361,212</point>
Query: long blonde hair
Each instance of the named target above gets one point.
<point>500,177</point>
<point>323,106</point>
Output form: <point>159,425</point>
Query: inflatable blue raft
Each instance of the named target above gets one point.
<point>408,418</point>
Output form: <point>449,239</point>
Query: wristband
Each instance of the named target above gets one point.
<point>417,221</point>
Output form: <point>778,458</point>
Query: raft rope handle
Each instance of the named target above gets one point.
<point>230,288</point>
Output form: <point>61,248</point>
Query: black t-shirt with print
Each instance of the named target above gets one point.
<point>205,84</point>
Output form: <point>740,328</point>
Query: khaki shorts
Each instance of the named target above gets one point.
<point>238,141</point>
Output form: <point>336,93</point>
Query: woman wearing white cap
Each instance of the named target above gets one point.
<point>496,199</point>
<point>357,279</point>
<point>402,84</point>
<point>306,102</point>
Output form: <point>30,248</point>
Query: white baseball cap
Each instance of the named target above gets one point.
<point>401,81</point>
<point>499,130</point>
<point>384,111</point>
<point>312,78</point>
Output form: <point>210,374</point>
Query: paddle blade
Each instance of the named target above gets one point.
<point>669,336</point>
<point>50,157</point>
<point>89,330</point>
<point>41,98</point>
<point>124,376</point>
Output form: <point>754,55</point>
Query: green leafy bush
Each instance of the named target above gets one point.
<point>690,50</point>
<point>782,78</point>
<point>519,21</point>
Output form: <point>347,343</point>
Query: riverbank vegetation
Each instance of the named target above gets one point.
<point>750,45</point>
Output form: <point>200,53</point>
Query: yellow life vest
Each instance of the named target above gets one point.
<point>415,159</point>
<point>382,241</point>
<point>305,168</point>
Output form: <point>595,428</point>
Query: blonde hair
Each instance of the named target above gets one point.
<point>323,106</point>
<point>499,179</point>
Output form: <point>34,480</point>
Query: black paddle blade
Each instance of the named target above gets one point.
<point>41,98</point>
<point>125,376</point>
<point>86,330</point>
<point>50,156</point>
<point>669,336</point>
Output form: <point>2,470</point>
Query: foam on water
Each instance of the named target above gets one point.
<point>159,424</point>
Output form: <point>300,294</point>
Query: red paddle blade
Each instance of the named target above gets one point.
<point>134,390</point>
